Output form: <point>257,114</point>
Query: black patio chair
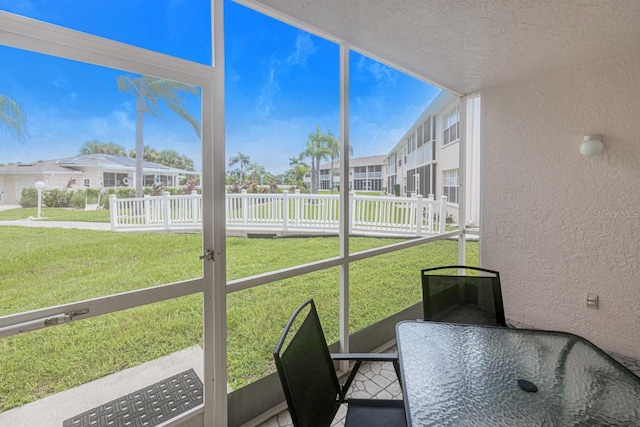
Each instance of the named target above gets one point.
<point>474,297</point>
<point>310,383</point>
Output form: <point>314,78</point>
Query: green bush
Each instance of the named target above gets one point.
<point>57,198</point>
<point>29,198</point>
<point>125,193</point>
<point>78,199</point>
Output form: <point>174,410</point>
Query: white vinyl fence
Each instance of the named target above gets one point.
<point>285,212</point>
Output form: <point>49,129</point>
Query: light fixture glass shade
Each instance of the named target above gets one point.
<point>591,146</point>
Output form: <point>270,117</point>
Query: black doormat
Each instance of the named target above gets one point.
<point>149,406</point>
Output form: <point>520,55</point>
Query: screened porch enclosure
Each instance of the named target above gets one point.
<point>560,227</point>
<point>196,290</point>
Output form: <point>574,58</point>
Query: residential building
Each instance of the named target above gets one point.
<point>558,226</point>
<point>426,159</point>
<point>365,174</point>
<point>86,171</point>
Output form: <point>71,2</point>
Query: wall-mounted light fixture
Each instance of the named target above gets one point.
<point>591,146</point>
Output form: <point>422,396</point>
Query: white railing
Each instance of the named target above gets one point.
<point>285,212</point>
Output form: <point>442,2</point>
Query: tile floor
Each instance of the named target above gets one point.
<point>377,380</point>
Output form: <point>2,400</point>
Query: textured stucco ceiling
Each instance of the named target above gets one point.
<point>468,45</point>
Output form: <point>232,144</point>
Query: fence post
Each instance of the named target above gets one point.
<point>195,209</point>
<point>443,214</point>
<point>297,207</point>
<point>167,209</point>
<point>245,204</point>
<point>113,211</point>
<point>147,209</point>
<point>352,211</point>
<point>285,210</point>
<point>419,215</point>
<point>430,223</point>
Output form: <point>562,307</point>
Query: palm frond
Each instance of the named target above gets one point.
<point>12,118</point>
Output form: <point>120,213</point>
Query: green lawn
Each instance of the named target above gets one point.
<point>56,214</point>
<point>51,267</point>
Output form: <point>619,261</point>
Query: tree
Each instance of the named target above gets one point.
<point>176,160</point>
<point>242,161</point>
<point>298,169</point>
<point>12,118</point>
<point>150,92</point>
<point>334,153</point>
<point>317,150</point>
<point>96,147</point>
<point>149,154</point>
<point>170,158</point>
<point>257,172</point>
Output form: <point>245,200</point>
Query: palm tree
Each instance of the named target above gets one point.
<point>242,160</point>
<point>317,151</point>
<point>150,92</point>
<point>150,154</point>
<point>257,172</point>
<point>12,118</point>
<point>298,169</point>
<point>334,153</point>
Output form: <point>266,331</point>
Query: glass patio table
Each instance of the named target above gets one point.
<point>468,375</point>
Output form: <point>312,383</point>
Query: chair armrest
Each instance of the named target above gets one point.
<point>366,357</point>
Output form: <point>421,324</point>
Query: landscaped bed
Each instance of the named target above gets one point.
<point>42,267</point>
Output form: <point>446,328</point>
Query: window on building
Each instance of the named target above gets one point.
<point>112,179</point>
<point>451,125</point>
<point>450,185</point>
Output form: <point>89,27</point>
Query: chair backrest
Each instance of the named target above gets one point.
<point>306,371</point>
<point>474,297</point>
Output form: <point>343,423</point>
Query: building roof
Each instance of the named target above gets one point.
<point>469,45</point>
<point>110,161</point>
<point>50,167</point>
<point>75,165</point>
<point>357,161</point>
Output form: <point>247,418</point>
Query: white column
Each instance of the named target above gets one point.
<point>214,233</point>
<point>462,181</point>
<point>345,205</point>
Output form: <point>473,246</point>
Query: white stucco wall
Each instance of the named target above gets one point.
<point>555,224</point>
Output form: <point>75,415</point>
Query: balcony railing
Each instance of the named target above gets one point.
<point>285,212</point>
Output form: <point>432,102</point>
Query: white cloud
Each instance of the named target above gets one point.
<point>59,80</point>
<point>380,72</point>
<point>268,92</point>
<point>304,48</point>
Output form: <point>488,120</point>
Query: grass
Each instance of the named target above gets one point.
<point>51,267</point>
<point>56,214</point>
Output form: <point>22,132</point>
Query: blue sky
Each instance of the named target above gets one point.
<point>280,83</point>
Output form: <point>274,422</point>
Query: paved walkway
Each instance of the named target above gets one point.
<point>58,224</point>
<point>54,409</point>
<point>52,224</point>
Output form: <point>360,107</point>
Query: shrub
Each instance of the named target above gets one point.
<point>78,200</point>
<point>57,198</point>
<point>125,193</point>
<point>29,198</point>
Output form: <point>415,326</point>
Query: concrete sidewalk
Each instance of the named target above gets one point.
<point>105,226</point>
<point>54,409</point>
<point>52,224</point>
<point>7,207</point>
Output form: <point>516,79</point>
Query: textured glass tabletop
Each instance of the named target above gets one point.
<point>464,375</point>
